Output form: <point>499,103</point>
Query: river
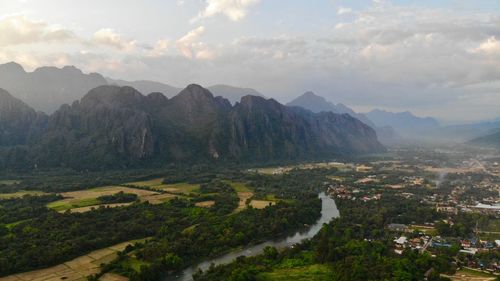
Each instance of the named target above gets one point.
<point>328,212</point>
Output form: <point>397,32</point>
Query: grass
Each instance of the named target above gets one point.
<point>9,182</point>
<point>424,229</point>
<point>239,186</point>
<point>475,273</point>
<point>88,197</point>
<point>20,194</point>
<point>315,272</point>
<point>11,225</point>
<point>63,205</point>
<point>261,204</point>
<point>133,263</point>
<point>177,188</point>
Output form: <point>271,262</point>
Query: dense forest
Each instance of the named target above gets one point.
<point>355,246</point>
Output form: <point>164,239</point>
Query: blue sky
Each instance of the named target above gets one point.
<point>437,58</point>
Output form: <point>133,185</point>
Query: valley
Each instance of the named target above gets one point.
<point>442,185</point>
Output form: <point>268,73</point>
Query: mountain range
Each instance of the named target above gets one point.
<point>47,88</point>
<point>491,140</point>
<point>315,103</point>
<point>405,123</point>
<point>231,93</point>
<point>113,127</point>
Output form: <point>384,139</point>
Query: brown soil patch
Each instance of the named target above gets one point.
<point>205,204</point>
<point>261,204</point>
<point>243,199</point>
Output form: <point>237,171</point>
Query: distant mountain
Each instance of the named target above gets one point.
<point>492,140</point>
<point>147,86</point>
<point>403,122</point>
<point>114,127</point>
<point>317,104</point>
<point>47,88</point>
<point>467,132</point>
<point>233,94</point>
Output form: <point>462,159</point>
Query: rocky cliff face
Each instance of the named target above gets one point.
<point>118,127</point>
<point>18,122</point>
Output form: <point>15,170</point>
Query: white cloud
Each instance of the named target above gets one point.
<point>160,48</point>
<point>17,29</point>
<point>489,46</point>
<point>108,37</point>
<point>235,10</point>
<point>344,11</point>
<point>190,46</point>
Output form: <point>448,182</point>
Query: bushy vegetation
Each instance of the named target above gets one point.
<point>119,197</point>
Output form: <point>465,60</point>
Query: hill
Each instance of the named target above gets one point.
<point>492,140</point>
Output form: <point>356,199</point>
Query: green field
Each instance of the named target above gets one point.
<point>177,188</point>
<point>20,194</point>
<point>239,186</point>
<point>470,272</point>
<point>65,205</point>
<point>133,263</point>
<point>315,272</point>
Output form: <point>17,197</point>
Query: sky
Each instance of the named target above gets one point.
<point>437,58</point>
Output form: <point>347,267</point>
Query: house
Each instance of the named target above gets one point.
<point>401,240</point>
<point>398,227</point>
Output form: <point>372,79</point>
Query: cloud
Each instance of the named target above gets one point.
<point>190,46</point>
<point>108,37</point>
<point>343,11</point>
<point>17,29</point>
<point>490,46</point>
<point>160,48</point>
<point>235,10</point>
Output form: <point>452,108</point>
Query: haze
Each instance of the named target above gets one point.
<point>435,58</point>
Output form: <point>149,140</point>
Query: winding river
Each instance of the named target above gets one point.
<point>328,212</point>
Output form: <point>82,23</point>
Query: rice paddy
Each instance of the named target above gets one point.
<point>77,269</point>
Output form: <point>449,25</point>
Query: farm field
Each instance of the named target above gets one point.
<point>20,194</point>
<point>83,200</point>
<point>76,269</point>
<point>466,274</point>
<point>176,188</point>
<point>261,204</point>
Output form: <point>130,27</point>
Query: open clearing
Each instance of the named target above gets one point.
<point>243,199</point>
<point>205,204</point>
<point>176,188</point>
<point>261,204</point>
<point>88,198</point>
<point>20,194</point>
<point>9,182</point>
<point>316,272</point>
<point>77,269</point>
<point>466,274</point>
